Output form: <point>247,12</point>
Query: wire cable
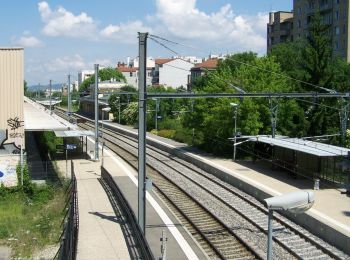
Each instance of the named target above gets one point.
<point>243,63</point>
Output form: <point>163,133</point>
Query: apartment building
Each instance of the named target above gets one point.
<point>335,13</point>
<point>279,28</point>
<point>172,72</point>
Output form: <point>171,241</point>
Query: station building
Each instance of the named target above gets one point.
<point>11,112</point>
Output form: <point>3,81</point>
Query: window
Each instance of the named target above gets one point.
<point>336,1</point>
<point>337,30</point>
<point>336,15</point>
<point>299,24</point>
<point>336,45</point>
<point>131,74</point>
<point>299,10</point>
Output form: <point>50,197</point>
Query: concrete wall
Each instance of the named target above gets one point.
<point>11,90</point>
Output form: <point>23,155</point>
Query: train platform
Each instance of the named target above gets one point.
<point>180,244</point>
<point>332,205</point>
<point>100,234</point>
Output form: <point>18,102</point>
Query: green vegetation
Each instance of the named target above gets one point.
<point>103,74</point>
<point>302,66</point>
<point>30,216</point>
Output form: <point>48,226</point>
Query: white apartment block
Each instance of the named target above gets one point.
<point>172,72</point>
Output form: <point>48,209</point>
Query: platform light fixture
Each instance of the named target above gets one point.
<point>295,202</point>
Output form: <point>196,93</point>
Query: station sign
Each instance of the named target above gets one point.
<point>71,146</point>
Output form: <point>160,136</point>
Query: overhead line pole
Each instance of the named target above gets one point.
<point>96,113</point>
<point>50,96</point>
<point>142,133</point>
<point>69,96</point>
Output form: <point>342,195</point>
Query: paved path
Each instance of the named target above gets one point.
<point>100,235</point>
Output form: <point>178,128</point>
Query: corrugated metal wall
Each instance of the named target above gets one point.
<point>11,89</point>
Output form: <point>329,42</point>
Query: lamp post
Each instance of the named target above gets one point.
<point>235,106</point>
<point>295,202</point>
<point>106,109</point>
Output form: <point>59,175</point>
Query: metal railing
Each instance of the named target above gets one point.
<point>70,223</point>
<point>141,241</point>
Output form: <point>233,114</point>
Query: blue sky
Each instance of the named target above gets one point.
<point>62,37</point>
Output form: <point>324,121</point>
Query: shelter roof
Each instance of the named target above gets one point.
<point>38,118</point>
<point>305,146</point>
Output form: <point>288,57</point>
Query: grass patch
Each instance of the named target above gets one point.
<point>31,221</point>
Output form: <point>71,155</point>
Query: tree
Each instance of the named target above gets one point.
<point>25,87</point>
<point>317,54</point>
<point>118,102</point>
<point>212,119</point>
<point>104,74</point>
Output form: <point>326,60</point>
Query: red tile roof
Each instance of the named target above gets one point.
<point>127,69</point>
<point>162,61</point>
<point>208,64</point>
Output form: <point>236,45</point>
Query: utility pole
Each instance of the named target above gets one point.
<point>142,132</point>
<point>69,97</point>
<point>50,96</point>
<point>273,116</point>
<point>96,113</point>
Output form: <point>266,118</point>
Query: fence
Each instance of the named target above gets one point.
<point>70,223</point>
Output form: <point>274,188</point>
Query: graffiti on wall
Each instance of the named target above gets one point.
<point>8,175</point>
<point>15,124</point>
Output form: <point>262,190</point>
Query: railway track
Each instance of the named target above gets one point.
<point>211,194</point>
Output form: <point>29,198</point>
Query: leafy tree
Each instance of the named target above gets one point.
<point>104,74</point>
<point>130,114</point>
<point>124,100</point>
<point>212,119</point>
<point>25,87</point>
<point>289,56</point>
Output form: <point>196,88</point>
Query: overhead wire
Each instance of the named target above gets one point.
<point>247,64</point>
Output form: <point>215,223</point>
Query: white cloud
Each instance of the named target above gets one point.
<point>27,40</point>
<point>67,63</point>
<point>61,22</point>
<point>124,32</point>
<point>182,19</point>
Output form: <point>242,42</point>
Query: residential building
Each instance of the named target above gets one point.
<point>335,13</point>
<point>172,72</point>
<point>131,74</point>
<point>295,25</point>
<point>84,74</point>
<point>202,68</point>
<point>279,28</point>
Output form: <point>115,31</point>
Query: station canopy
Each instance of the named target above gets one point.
<point>74,133</point>
<point>305,146</point>
<point>38,118</point>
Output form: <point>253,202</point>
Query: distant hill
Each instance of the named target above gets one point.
<point>42,87</point>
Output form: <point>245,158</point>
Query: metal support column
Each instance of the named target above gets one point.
<point>156,116</point>
<point>270,234</point>
<point>273,116</point>
<point>50,96</point>
<point>96,113</point>
<point>344,117</point>
<point>69,96</point>
<point>142,132</point>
